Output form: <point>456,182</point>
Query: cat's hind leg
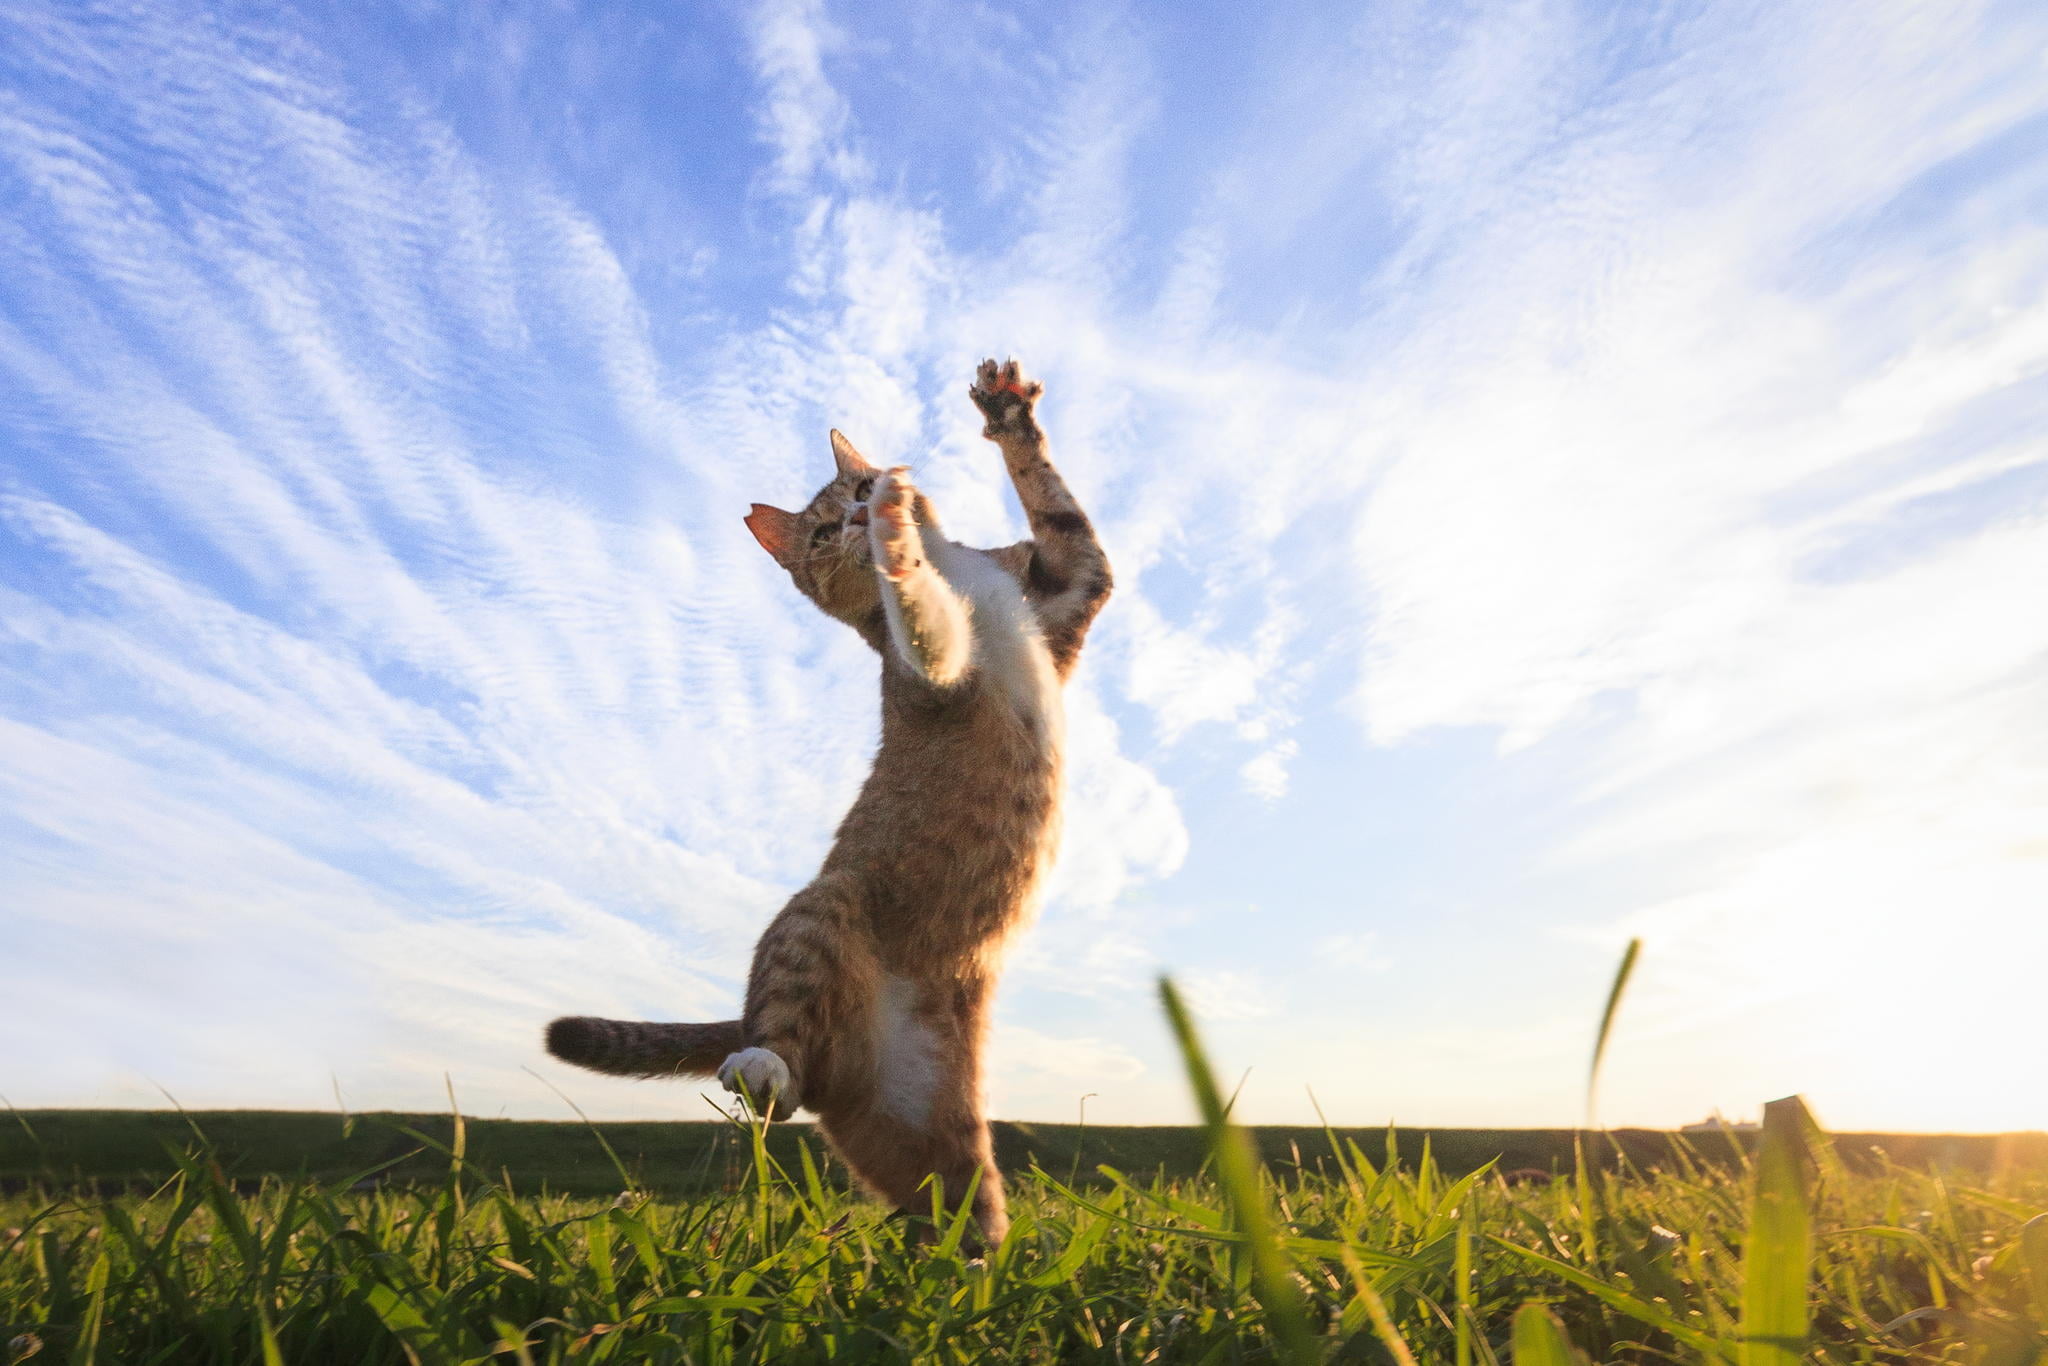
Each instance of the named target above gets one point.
<point>809,995</point>
<point>902,1163</point>
<point>920,1123</point>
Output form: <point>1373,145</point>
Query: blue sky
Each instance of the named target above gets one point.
<point>1573,473</point>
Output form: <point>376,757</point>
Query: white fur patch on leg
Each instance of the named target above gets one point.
<point>756,1072</point>
<point>908,1055</point>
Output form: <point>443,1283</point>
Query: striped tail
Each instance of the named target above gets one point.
<point>637,1048</point>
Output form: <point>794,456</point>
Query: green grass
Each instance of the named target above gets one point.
<point>1309,1246</point>
<point>1908,1266</point>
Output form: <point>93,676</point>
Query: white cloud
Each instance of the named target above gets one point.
<point>1640,502</point>
<point>1266,773</point>
<point>1182,676</point>
<point>1015,1048</point>
<point>1359,951</point>
<point>803,118</point>
<point>382,539</point>
<point>1226,994</point>
<point>478,747</point>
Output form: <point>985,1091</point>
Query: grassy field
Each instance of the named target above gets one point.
<point>1794,1248</point>
<point>1376,1257</point>
<point>111,1151</point>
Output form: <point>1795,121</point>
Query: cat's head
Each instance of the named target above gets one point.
<point>825,547</point>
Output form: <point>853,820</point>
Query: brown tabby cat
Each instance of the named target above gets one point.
<point>869,996</point>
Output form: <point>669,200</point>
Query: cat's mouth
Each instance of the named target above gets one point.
<point>852,539</point>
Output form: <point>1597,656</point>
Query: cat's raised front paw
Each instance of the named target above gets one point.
<point>759,1074</point>
<point>1006,397</point>
<point>892,524</point>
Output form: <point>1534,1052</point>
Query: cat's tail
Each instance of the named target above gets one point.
<point>643,1048</point>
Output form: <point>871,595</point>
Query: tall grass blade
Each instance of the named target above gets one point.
<point>2034,1258</point>
<point>1238,1175</point>
<point>1641,1310</point>
<point>1538,1339</point>
<point>1376,1310</point>
<point>1614,995</point>
<point>1778,1256</point>
<point>458,1143</point>
<point>625,1177</point>
<point>96,1279</point>
<point>1468,1221</point>
<point>22,1120</point>
<point>267,1338</point>
<point>1345,1167</point>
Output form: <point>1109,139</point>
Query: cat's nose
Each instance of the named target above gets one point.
<point>860,515</point>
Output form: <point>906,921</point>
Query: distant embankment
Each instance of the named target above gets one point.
<point>129,1148</point>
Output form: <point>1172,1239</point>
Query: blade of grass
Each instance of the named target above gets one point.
<point>952,1215</point>
<point>1637,1308</point>
<point>1614,995</point>
<point>1538,1339</point>
<point>88,1346</point>
<point>1376,1310</point>
<point>1779,1249</point>
<point>2034,1257</point>
<point>22,1120</point>
<point>1344,1167</point>
<point>1462,1278</point>
<point>458,1144</point>
<point>267,1338</point>
<point>625,1177</point>
<point>1238,1175</point>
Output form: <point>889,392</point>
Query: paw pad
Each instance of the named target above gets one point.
<point>1005,394</point>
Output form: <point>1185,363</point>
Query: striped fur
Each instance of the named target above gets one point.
<point>1064,572</point>
<point>871,988</point>
<point>638,1048</point>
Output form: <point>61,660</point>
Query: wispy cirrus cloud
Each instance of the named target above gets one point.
<point>480,743</point>
<point>1657,396</point>
<point>488,704</point>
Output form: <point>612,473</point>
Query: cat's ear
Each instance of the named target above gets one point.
<point>775,530</point>
<point>852,464</point>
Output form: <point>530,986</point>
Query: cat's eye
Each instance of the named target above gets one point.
<point>820,532</point>
<point>861,490</point>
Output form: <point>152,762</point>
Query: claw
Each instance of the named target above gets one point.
<point>1007,378</point>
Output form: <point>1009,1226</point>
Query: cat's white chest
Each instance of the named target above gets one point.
<point>1009,655</point>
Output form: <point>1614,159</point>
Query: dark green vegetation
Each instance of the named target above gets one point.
<point>135,1150</point>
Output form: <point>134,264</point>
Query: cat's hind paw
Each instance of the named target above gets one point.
<point>757,1074</point>
<point>1006,397</point>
